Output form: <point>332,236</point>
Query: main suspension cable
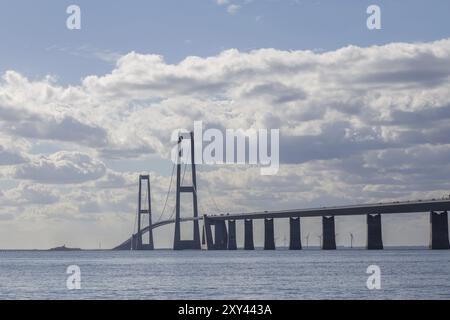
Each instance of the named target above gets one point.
<point>168,193</point>
<point>182,180</point>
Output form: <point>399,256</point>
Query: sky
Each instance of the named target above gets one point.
<point>363,114</point>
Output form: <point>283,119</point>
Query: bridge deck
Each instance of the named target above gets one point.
<point>352,210</point>
<point>383,208</point>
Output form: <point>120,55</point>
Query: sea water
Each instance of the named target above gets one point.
<point>259,274</point>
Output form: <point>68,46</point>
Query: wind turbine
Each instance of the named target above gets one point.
<point>276,239</point>
<point>307,240</point>
<point>351,240</point>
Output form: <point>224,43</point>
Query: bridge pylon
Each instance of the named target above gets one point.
<point>143,212</point>
<point>193,244</point>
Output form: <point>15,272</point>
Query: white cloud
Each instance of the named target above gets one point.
<point>61,168</point>
<point>29,194</point>
<point>10,157</point>
<point>233,8</point>
<point>357,124</point>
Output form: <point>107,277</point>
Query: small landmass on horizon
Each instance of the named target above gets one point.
<point>64,248</point>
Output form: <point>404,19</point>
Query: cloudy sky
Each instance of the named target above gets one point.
<point>363,115</point>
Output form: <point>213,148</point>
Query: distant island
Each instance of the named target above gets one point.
<point>64,248</point>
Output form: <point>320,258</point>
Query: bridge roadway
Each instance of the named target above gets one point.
<point>350,210</point>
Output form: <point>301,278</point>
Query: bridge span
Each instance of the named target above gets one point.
<point>224,237</point>
<point>374,210</point>
<point>351,210</point>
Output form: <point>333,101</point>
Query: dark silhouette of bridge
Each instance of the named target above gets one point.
<point>224,225</point>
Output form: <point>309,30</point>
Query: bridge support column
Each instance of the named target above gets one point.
<point>232,245</point>
<point>295,242</point>
<point>269,235</point>
<point>220,240</point>
<point>329,236</point>
<point>203,235</point>
<point>134,242</point>
<point>439,231</point>
<point>248,236</point>
<point>374,234</point>
<point>208,233</point>
<point>220,235</point>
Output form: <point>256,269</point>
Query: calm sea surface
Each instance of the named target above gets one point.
<point>281,274</point>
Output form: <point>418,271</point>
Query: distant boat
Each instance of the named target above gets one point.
<point>64,248</point>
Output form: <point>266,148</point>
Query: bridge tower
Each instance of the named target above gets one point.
<point>143,211</point>
<point>193,244</point>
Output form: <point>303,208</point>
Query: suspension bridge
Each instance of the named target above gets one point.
<point>219,230</point>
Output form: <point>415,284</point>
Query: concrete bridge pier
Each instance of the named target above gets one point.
<point>220,240</point>
<point>374,234</point>
<point>134,242</point>
<point>208,233</point>
<point>295,242</point>
<point>138,244</point>
<point>439,231</point>
<point>248,235</point>
<point>203,235</point>
<point>329,236</point>
<point>269,235</point>
<point>220,235</point>
<point>232,245</point>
